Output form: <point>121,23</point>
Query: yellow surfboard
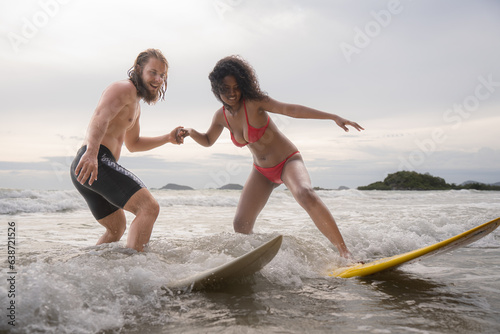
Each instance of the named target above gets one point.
<point>447,245</point>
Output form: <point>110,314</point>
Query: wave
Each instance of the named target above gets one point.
<point>68,290</point>
<point>14,201</point>
<point>206,198</point>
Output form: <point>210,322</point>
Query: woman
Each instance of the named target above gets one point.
<point>276,159</point>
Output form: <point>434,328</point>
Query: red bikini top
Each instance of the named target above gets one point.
<point>254,134</point>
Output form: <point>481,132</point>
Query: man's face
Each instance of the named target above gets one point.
<point>154,75</point>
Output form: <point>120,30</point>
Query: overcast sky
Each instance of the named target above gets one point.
<point>422,77</point>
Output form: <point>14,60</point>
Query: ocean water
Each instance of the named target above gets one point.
<point>63,283</point>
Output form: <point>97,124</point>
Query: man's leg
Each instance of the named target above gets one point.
<point>146,209</point>
<point>115,225</point>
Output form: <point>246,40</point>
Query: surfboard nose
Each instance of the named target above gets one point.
<point>244,265</point>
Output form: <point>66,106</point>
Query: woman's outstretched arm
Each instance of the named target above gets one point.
<point>300,111</point>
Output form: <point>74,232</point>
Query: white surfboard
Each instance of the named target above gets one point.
<point>244,265</point>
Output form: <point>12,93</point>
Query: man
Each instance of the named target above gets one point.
<point>107,187</point>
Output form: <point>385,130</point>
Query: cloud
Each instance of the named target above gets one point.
<point>423,62</point>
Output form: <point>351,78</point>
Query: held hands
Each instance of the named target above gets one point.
<point>342,122</point>
<point>179,133</point>
<point>183,133</point>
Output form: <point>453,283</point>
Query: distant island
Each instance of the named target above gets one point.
<point>231,186</point>
<point>339,188</point>
<point>415,181</point>
<point>173,186</point>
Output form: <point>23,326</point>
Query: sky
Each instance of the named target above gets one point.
<point>422,78</point>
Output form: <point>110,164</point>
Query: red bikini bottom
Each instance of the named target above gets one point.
<point>273,174</point>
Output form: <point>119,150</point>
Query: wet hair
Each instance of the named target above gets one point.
<point>244,74</point>
<point>135,72</point>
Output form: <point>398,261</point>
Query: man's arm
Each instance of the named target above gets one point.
<point>136,143</point>
<point>112,101</point>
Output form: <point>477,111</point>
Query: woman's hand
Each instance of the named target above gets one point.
<point>342,122</point>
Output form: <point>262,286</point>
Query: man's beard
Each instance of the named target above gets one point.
<point>148,96</point>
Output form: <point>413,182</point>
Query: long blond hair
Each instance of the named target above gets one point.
<point>134,73</point>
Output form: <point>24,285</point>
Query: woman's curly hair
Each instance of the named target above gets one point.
<point>245,77</point>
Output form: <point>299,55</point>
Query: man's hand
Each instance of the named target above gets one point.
<point>184,132</point>
<point>179,133</point>
<point>87,168</point>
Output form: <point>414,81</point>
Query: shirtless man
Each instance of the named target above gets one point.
<point>107,187</point>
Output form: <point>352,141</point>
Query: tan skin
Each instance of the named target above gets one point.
<point>268,151</point>
<point>114,122</point>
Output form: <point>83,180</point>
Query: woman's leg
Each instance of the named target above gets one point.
<point>253,198</point>
<point>296,178</point>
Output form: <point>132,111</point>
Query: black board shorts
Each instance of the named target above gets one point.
<point>113,188</point>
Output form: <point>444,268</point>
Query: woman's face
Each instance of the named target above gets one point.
<point>231,93</point>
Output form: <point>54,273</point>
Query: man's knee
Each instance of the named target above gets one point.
<point>143,204</point>
<point>155,208</point>
<point>151,208</point>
